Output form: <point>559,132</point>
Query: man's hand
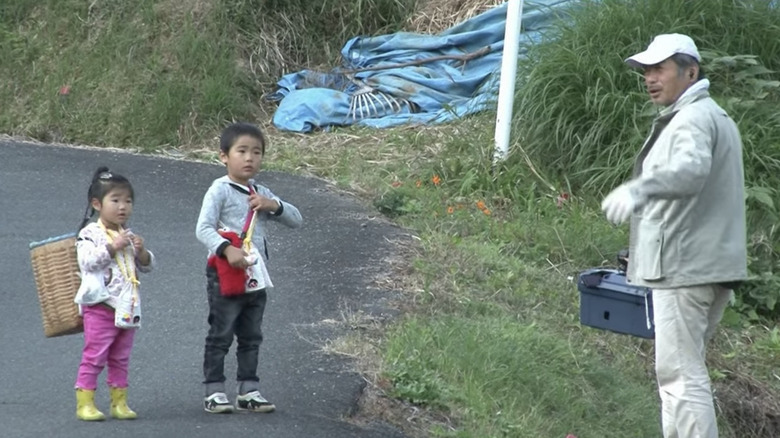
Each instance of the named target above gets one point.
<point>619,204</point>
<point>262,203</point>
<point>236,257</point>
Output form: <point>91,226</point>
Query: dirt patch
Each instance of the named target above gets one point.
<point>364,346</point>
<point>750,408</point>
<point>413,421</point>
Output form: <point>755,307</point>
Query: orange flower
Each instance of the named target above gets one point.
<point>450,209</point>
<point>481,205</point>
<point>418,183</point>
<point>486,211</point>
<point>563,197</point>
<point>436,180</point>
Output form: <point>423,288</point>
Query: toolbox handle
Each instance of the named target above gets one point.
<point>593,277</point>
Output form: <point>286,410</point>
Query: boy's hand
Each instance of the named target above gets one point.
<point>262,203</point>
<point>236,257</point>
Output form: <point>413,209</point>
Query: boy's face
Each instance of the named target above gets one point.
<point>243,159</point>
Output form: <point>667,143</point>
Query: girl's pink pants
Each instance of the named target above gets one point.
<point>104,344</point>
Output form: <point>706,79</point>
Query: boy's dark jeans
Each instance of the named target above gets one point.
<point>242,316</point>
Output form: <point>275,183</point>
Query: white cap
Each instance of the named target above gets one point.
<point>663,47</point>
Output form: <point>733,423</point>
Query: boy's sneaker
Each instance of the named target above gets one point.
<point>254,402</point>
<point>217,403</point>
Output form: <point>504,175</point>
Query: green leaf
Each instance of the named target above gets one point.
<point>761,194</point>
<point>731,318</point>
<point>751,72</point>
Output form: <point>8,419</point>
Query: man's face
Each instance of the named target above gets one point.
<point>665,83</point>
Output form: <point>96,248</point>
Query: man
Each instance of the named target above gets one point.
<point>688,236</point>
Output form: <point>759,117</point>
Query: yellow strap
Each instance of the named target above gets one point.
<point>250,232</point>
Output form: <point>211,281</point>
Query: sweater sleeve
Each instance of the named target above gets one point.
<point>91,251</point>
<point>208,220</point>
<point>288,214</point>
<point>146,268</point>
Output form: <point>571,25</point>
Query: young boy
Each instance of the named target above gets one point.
<point>227,206</point>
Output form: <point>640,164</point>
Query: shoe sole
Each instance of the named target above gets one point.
<point>92,419</point>
<point>262,409</point>
<point>221,410</point>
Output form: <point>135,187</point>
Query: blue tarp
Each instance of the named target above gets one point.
<point>439,91</point>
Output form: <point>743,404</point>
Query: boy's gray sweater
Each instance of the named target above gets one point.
<point>226,205</point>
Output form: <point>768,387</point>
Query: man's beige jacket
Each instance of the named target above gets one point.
<point>690,229</point>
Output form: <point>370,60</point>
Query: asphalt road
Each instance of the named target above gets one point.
<point>319,270</point>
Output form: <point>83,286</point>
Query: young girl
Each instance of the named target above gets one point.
<point>109,256</point>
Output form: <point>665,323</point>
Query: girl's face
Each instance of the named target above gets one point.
<point>243,159</point>
<point>115,208</point>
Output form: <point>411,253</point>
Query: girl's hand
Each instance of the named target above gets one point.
<point>121,241</point>
<point>262,203</point>
<point>138,242</point>
<point>140,251</point>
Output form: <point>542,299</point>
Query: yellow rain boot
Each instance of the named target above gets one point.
<point>119,408</point>
<point>85,406</point>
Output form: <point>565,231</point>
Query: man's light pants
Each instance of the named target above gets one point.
<point>685,320</point>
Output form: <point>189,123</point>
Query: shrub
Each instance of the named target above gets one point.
<point>581,113</point>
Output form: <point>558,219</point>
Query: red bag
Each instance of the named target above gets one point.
<point>232,281</point>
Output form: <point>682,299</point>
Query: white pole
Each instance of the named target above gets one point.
<point>506,90</point>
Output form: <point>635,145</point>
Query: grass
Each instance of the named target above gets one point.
<point>111,74</point>
<point>489,343</point>
<point>506,393</point>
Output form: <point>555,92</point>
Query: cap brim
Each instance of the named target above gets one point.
<point>643,59</point>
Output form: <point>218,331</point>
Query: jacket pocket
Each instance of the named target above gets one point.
<point>650,246</point>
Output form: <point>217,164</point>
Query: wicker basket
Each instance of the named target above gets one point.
<point>56,272</point>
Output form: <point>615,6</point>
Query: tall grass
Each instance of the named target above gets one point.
<point>582,113</point>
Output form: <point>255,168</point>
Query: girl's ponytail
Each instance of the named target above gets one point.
<point>91,193</point>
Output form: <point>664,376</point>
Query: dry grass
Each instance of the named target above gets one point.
<point>749,407</point>
<point>742,397</point>
<point>434,16</point>
<point>179,10</point>
<point>324,154</point>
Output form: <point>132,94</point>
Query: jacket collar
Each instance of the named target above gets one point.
<point>697,91</point>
